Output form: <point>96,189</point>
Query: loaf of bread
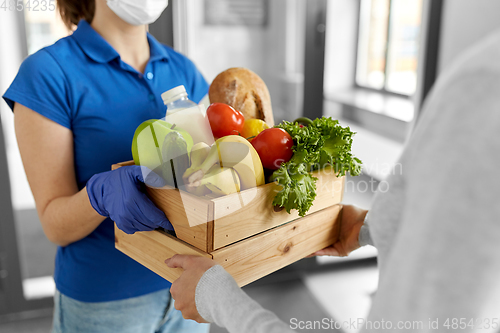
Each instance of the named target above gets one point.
<point>245,91</point>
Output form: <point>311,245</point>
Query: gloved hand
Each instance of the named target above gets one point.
<point>119,195</point>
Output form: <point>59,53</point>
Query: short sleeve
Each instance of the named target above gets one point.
<point>198,85</point>
<point>41,86</point>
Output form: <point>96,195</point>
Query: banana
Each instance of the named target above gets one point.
<point>221,181</point>
<point>236,152</point>
<point>175,158</point>
<point>232,151</point>
<point>198,154</point>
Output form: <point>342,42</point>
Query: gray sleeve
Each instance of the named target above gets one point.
<point>364,237</point>
<point>443,263</point>
<point>220,300</point>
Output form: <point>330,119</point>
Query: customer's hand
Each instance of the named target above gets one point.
<point>350,224</point>
<point>183,289</point>
<point>119,195</point>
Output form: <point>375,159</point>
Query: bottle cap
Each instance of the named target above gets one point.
<point>173,94</point>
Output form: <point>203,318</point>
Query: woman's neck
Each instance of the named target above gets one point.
<point>128,40</point>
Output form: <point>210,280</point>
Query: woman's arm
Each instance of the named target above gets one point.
<point>206,292</point>
<point>47,153</point>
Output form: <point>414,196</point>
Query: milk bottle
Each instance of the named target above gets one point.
<point>187,115</point>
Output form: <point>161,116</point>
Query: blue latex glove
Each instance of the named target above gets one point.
<point>119,195</point>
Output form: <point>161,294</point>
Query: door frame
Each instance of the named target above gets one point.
<point>314,67</point>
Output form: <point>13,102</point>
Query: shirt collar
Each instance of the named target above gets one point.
<point>93,44</point>
<point>98,49</point>
<point>157,51</point>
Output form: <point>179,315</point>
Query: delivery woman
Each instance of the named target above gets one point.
<point>76,106</point>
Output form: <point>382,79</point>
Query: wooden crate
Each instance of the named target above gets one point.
<point>241,231</point>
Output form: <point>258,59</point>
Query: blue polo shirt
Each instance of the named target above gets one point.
<point>81,83</point>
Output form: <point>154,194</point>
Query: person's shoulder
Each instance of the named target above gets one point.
<point>49,56</point>
<point>481,57</point>
<point>40,61</point>
<point>469,83</point>
<point>477,66</point>
<point>170,51</point>
<point>177,57</point>
<point>486,51</point>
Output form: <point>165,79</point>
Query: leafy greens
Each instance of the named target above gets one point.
<point>316,146</point>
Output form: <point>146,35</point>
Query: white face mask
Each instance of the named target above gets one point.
<point>138,12</point>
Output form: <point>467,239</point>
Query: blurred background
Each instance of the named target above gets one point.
<point>368,63</point>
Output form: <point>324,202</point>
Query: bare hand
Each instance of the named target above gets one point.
<point>183,289</point>
<point>350,224</point>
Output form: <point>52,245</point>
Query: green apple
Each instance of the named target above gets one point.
<point>148,140</point>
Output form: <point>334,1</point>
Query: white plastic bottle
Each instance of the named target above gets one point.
<point>187,115</point>
<point>176,99</point>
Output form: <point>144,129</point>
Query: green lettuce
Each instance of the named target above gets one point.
<point>316,146</point>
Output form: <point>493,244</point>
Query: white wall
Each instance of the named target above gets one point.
<point>275,52</point>
<point>465,22</point>
<point>340,49</point>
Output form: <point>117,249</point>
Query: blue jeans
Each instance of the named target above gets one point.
<point>151,313</point>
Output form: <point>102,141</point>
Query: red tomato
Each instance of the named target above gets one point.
<point>274,146</point>
<point>224,120</point>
